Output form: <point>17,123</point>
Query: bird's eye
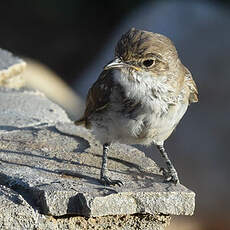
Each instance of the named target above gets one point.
<point>148,62</point>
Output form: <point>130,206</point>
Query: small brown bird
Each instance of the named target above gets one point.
<point>140,97</point>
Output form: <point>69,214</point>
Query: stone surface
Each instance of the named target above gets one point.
<point>15,212</point>
<point>49,171</point>
<point>10,69</point>
<point>27,108</point>
<point>59,165</point>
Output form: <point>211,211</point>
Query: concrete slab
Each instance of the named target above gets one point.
<point>60,172</point>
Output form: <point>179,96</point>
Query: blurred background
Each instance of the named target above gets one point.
<point>66,44</point>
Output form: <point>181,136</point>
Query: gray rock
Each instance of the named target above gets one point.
<point>16,213</point>
<point>27,108</point>
<point>59,166</point>
<point>61,173</point>
<point>50,168</point>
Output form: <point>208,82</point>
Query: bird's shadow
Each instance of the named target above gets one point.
<point>83,143</point>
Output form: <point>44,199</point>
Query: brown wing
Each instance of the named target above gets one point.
<point>98,96</point>
<point>193,97</point>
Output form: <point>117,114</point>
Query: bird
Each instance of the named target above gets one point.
<point>139,97</point>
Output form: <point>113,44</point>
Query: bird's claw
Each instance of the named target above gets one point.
<point>170,175</point>
<point>107,181</point>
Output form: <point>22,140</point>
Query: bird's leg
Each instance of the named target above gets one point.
<point>170,173</point>
<point>105,180</point>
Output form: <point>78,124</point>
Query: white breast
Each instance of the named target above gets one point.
<point>152,122</point>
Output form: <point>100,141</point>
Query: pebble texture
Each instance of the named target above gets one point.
<point>16,213</point>
<point>52,166</point>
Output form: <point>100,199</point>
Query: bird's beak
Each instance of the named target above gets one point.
<point>117,63</point>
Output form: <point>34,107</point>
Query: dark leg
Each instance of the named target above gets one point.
<point>170,173</point>
<point>104,179</point>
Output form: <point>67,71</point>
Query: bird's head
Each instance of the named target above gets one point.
<point>144,51</point>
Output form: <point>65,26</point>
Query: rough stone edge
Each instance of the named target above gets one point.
<point>13,70</point>
<point>114,222</point>
<point>187,206</point>
<point>39,221</point>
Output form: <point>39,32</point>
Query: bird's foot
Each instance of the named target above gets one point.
<point>107,181</point>
<point>170,175</point>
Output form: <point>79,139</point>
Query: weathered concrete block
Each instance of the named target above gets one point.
<point>55,166</point>
<point>15,212</point>
<point>27,108</point>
